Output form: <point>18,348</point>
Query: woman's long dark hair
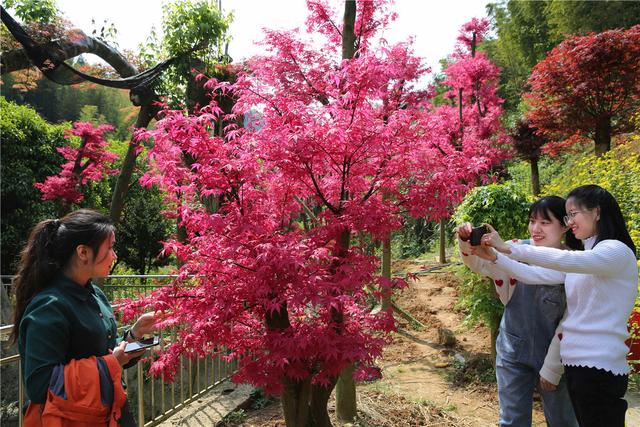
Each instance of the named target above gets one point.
<point>611,224</point>
<point>50,247</point>
<point>554,206</point>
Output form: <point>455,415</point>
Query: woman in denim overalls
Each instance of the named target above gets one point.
<point>528,324</point>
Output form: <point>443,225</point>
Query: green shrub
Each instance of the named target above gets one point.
<point>505,207</point>
<point>28,156</point>
<point>501,205</point>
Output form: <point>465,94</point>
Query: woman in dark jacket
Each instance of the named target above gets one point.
<point>60,314</point>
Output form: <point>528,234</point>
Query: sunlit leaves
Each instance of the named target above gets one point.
<point>90,162</point>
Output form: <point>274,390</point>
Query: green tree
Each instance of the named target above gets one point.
<point>581,17</point>
<point>186,25</point>
<point>523,38</point>
<point>57,103</point>
<point>29,155</point>
<point>527,30</point>
<point>142,230</point>
<point>41,11</point>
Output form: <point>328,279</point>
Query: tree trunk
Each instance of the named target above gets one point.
<point>346,389</point>
<point>145,115</point>
<point>460,122</point>
<point>197,95</point>
<point>303,404</point>
<point>443,242</point>
<point>63,209</point>
<point>348,33</point>
<point>295,398</point>
<point>346,407</point>
<point>17,59</point>
<point>386,270</point>
<point>535,177</point>
<point>319,400</point>
<point>473,44</point>
<point>603,136</point>
<point>295,402</point>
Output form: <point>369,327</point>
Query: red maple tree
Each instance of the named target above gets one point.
<point>464,137</point>
<point>586,88</point>
<point>89,162</point>
<point>268,210</point>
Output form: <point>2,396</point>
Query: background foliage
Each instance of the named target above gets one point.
<point>505,207</point>
<point>527,30</point>
<point>618,171</point>
<point>187,25</point>
<point>29,155</point>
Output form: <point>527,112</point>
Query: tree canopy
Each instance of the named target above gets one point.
<point>588,86</point>
<point>527,30</point>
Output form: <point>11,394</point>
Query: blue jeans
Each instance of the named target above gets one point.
<point>516,382</point>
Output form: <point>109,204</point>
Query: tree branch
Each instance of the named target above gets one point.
<point>17,59</point>
<point>319,191</point>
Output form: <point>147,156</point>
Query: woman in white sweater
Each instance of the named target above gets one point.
<point>601,285</point>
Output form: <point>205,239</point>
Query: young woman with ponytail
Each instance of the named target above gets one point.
<point>60,315</point>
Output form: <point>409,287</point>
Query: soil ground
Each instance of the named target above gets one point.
<point>424,383</point>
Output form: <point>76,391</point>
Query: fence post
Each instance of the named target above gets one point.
<point>140,382</point>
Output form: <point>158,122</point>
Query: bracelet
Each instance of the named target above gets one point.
<point>133,337</point>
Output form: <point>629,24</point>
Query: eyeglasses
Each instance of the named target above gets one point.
<point>570,216</point>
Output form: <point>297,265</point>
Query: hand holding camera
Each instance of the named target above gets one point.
<point>471,234</point>
<point>482,240</point>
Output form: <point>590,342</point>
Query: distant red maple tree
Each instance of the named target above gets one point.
<point>464,138</point>
<point>586,88</point>
<point>89,162</point>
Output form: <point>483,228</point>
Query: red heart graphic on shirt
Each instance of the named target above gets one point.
<point>498,282</point>
<point>512,281</point>
<point>560,336</point>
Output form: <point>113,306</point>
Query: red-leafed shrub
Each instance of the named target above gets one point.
<point>89,162</point>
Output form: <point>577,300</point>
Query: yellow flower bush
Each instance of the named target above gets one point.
<point>618,171</point>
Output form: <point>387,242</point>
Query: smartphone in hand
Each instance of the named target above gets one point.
<point>142,344</point>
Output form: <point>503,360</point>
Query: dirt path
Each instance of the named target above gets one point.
<point>418,368</point>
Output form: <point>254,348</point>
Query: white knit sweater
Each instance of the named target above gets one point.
<point>601,284</point>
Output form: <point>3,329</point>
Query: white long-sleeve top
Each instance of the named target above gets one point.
<point>601,284</point>
<point>487,269</point>
<point>505,275</point>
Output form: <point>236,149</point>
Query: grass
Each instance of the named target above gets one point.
<point>233,419</point>
<point>473,370</point>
